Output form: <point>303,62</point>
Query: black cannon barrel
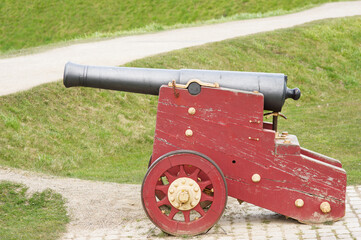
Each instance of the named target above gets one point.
<point>149,80</point>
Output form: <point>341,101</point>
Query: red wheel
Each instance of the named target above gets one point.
<point>184,193</point>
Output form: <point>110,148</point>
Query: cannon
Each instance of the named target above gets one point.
<point>211,142</point>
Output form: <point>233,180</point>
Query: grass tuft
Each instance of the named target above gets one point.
<point>39,216</point>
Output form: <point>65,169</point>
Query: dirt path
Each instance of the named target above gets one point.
<point>92,205</point>
<point>24,72</point>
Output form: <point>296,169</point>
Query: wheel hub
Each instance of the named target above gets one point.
<point>184,193</point>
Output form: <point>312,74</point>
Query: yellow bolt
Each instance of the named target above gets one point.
<point>190,183</point>
<point>199,179</point>
<point>183,181</point>
<point>176,185</point>
<point>172,199</point>
<point>191,110</point>
<point>193,203</point>
<point>256,178</point>
<point>196,189</point>
<point>189,133</point>
<point>299,203</point>
<point>212,190</point>
<point>325,207</point>
<point>196,197</point>
<point>171,190</point>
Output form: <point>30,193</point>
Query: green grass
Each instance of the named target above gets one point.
<point>107,135</point>
<point>31,23</point>
<point>40,216</point>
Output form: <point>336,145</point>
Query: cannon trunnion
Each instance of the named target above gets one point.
<point>211,142</point>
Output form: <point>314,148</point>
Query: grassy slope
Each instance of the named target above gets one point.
<point>40,216</point>
<point>105,135</point>
<point>29,23</point>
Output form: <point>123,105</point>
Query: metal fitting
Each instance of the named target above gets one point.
<point>189,133</point>
<point>299,203</point>
<point>325,207</point>
<point>256,178</point>
<point>191,111</point>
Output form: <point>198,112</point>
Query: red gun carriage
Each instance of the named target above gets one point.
<point>211,142</point>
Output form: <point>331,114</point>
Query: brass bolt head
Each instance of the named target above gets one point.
<point>189,133</point>
<point>299,203</point>
<point>191,111</point>
<point>287,141</point>
<point>194,203</point>
<point>325,207</point>
<point>184,197</point>
<point>256,178</point>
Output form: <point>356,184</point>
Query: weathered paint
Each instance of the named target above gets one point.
<point>226,132</point>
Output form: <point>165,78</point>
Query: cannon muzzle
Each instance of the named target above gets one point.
<point>149,80</point>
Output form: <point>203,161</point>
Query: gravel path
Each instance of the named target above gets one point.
<point>102,211</point>
<point>24,72</point>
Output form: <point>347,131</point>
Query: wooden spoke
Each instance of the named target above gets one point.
<point>194,174</point>
<point>204,184</point>
<point>164,201</point>
<point>200,210</point>
<point>162,188</point>
<point>173,212</point>
<point>169,176</point>
<point>182,172</point>
<point>206,197</point>
<point>186,216</point>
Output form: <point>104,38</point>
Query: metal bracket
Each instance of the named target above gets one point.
<point>275,114</point>
<point>274,119</point>
<point>174,85</point>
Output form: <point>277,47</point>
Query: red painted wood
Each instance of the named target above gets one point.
<point>201,168</point>
<point>225,128</point>
<point>321,157</point>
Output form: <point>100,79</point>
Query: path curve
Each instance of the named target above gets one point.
<point>103,210</point>
<point>24,72</point>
